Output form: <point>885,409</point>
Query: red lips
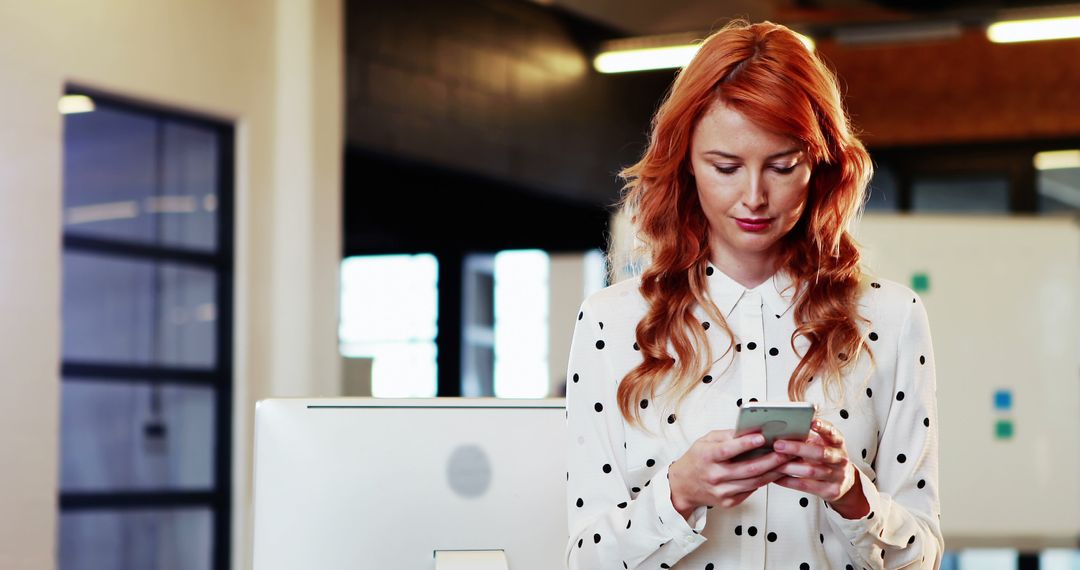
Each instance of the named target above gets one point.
<point>760,224</point>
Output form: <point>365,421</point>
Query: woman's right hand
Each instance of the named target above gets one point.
<point>705,474</point>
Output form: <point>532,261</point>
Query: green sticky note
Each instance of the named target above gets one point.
<point>1003,429</point>
<point>920,282</point>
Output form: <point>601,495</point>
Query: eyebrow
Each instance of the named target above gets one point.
<point>770,157</point>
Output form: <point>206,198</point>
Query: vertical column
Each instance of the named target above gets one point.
<point>306,200</point>
<point>288,227</point>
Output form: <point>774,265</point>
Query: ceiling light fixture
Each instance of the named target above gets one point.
<point>75,104</point>
<point>654,52</point>
<point>1057,159</point>
<point>1011,31</point>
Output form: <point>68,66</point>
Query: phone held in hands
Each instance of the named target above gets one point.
<point>775,420</point>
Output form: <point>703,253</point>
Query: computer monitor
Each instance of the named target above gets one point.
<point>350,483</point>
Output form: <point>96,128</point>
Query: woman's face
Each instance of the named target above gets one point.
<point>743,174</point>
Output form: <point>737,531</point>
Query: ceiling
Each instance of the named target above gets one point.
<point>650,17</point>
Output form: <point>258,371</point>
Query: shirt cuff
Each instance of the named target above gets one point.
<point>688,533</point>
<point>858,531</point>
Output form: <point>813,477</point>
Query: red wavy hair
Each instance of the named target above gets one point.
<point>766,73</point>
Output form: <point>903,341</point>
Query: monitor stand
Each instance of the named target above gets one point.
<point>470,560</point>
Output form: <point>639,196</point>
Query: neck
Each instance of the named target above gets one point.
<point>748,271</point>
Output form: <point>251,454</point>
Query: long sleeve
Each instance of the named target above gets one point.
<point>610,525</point>
<point>902,529</point>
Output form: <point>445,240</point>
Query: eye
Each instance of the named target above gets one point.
<point>726,169</point>
<point>787,170</point>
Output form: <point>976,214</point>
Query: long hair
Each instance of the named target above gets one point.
<point>766,73</point>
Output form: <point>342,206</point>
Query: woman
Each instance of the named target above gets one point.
<point>742,202</point>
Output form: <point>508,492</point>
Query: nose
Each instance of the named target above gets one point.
<point>755,195</point>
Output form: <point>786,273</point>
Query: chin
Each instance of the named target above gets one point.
<point>756,243</point>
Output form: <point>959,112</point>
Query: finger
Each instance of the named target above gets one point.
<point>813,439</point>
<point>832,453</point>
<point>718,435</point>
<point>799,449</point>
<point>763,479</point>
<point>810,451</point>
<point>749,485</point>
<point>725,450</point>
<point>808,470</point>
<point>812,486</point>
<point>740,497</point>
<point>789,482</point>
<point>823,490</point>
<point>795,483</point>
<point>754,467</point>
<point>829,432</point>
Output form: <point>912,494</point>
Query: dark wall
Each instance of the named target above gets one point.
<point>411,207</point>
<point>500,88</point>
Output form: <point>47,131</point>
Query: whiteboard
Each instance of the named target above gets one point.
<point>1004,307</point>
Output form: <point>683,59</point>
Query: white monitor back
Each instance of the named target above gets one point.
<point>349,483</point>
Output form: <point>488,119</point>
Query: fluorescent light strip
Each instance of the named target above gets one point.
<point>1057,159</point>
<point>645,59</point>
<point>102,212</point>
<point>667,57</point>
<point>1034,30</point>
<point>70,104</point>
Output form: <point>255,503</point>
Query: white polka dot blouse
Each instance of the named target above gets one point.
<point>619,505</point>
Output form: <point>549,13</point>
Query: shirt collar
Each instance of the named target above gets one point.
<point>777,291</point>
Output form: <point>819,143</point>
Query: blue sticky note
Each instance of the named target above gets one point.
<point>1003,400</point>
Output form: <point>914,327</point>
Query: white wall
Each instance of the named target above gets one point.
<point>274,68</point>
<point>1004,314</point>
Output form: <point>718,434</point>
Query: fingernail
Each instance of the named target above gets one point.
<point>779,446</point>
<point>759,439</point>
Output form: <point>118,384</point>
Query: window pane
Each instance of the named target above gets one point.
<point>136,540</point>
<point>961,195</point>
<point>1059,190</point>
<point>596,272</point>
<point>521,324</point>
<point>1059,559</point>
<point>138,312</point>
<point>186,210</point>
<point>110,167</point>
<point>389,298</point>
<point>134,177</point>
<point>399,369</point>
<point>127,436</point>
<point>389,312</point>
<point>988,559</point>
<point>883,195</point>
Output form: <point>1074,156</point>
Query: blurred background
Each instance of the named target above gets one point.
<point>209,203</point>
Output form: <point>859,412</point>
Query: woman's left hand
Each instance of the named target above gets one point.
<point>821,466</point>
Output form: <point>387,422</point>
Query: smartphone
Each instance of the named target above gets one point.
<point>775,420</point>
